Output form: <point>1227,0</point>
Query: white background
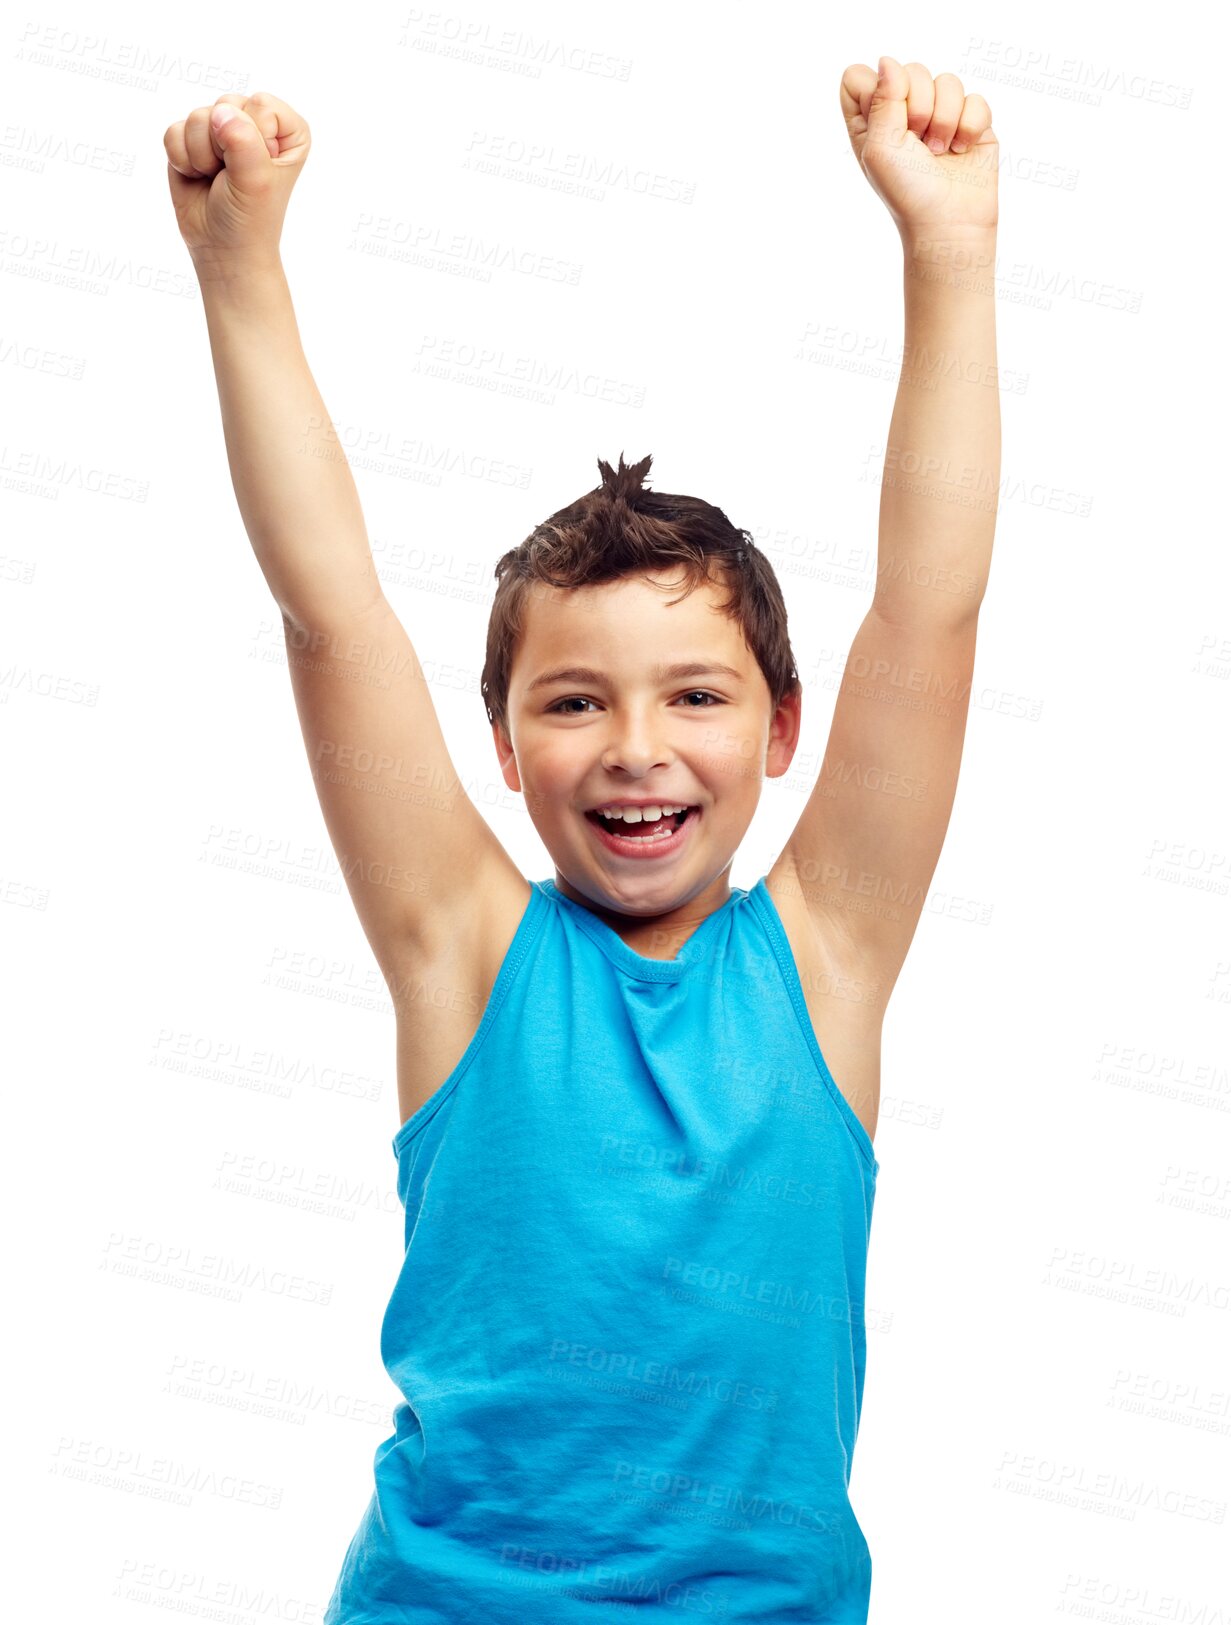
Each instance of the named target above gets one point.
<point>1047,1408</point>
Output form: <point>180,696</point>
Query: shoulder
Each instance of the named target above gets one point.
<point>844,996</point>
<point>467,937</point>
<point>825,952</point>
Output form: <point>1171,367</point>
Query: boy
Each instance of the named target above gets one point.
<point>638,1104</point>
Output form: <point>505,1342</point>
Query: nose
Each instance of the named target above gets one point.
<point>635,743</point>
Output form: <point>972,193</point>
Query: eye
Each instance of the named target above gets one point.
<point>557,706</point>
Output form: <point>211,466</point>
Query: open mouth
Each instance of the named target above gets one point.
<point>641,830</point>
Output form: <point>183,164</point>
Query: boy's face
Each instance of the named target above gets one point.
<point>612,728</point>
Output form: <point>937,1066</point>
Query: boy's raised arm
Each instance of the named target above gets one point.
<point>867,843</point>
<point>411,843</point>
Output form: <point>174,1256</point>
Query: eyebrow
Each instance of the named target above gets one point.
<point>658,674</point>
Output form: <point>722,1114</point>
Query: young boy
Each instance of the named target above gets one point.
<point>638,1103</point>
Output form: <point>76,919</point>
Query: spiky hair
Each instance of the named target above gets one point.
<point>618,528</point>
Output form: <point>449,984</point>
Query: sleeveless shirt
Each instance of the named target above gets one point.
<point>628,1327</point>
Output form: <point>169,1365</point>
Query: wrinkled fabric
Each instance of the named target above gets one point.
<point>629,1325</point>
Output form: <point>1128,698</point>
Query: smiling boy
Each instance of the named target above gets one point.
<point>591,719</point>
<point>637,1104</point>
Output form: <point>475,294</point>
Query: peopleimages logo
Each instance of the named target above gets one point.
<point>444,34</point>
<point>740,1285</point>
<point>728,1498</point>
<point>582,1576</point>
<point>621,1366</point>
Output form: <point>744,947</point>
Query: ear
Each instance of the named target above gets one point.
<point>783,735</point>
<point>505,756</point>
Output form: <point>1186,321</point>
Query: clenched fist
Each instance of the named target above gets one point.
<point>231,168</point>
<point>926,147</point>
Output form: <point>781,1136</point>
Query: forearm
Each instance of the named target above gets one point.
<point>942,460</point>
<point>292,481</point>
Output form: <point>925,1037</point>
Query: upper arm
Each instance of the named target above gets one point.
<point>866,845</point>
<point>412,846</point>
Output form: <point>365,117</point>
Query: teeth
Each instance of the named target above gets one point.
<point>637,815</point>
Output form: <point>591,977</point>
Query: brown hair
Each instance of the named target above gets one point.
<point>620,528</point>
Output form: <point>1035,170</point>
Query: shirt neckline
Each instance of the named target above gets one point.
<point>628,959</point>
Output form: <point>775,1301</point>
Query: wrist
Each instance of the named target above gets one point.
<point>225,271</point>
<point>920,239</point>
<point>956,257</point>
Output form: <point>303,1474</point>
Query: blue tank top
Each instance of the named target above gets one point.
<point>628,1328</point>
